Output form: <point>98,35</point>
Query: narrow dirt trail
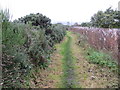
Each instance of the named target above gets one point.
<point>69,69</point>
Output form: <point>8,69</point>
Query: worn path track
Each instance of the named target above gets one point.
<point>69,69</point>
<point>68,63</point>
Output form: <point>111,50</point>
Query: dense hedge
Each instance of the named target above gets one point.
<point>25,47</point>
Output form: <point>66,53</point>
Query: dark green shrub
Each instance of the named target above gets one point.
<point>36,20</point>
<point>58,32</point>
<point>14,56</point>
<point>38,47</point>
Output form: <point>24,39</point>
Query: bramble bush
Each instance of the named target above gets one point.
<point>26,46</point>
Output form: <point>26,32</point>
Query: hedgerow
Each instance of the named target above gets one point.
<point>25,47</point>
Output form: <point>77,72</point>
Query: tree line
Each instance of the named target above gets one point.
<point>104,19</point>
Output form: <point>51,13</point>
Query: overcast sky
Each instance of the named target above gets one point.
<point>58,10</point>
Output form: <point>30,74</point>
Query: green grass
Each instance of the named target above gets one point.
<point>68,78</point>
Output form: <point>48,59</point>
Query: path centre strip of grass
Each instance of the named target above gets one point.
<point>68,78</point>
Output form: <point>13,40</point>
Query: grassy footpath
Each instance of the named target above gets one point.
<point>68,78</point>
<point>70,68</point>
<point>68,65</point>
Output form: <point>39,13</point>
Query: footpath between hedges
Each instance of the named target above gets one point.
<point>69,69</point>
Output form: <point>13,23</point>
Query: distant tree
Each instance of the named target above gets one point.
<point>108,19</point>
<point>59,23</point>
<point>76,24</point>
<point>86,24</point>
